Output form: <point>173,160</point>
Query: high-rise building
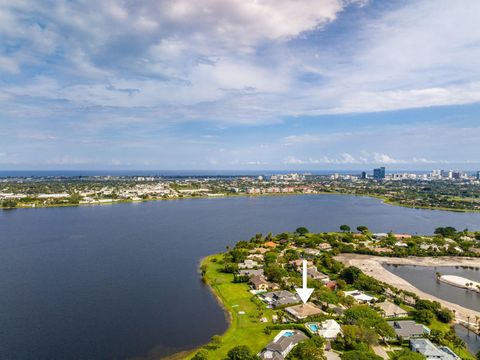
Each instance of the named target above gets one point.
<point>478,175</point>
<point>447,174</point>
<point>364,175</point>
<point>379,173</point>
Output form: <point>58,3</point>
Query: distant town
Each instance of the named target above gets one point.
<point>439,189</point>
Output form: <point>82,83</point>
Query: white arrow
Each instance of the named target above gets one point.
<point>304,292</point>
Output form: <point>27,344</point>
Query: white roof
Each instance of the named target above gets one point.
<point>359,296</point>
<point>330,329</point>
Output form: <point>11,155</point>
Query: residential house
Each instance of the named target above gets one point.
<point>250,272</point>
<point>248,264</point>
<point>255,257</point>
<point>402,236</point>
<point>329,329</point>
<point>280,298</point>
<point>391,310</point>
<point>270,244</point>
<point>302,311</point>
<point>430,351</point>
<point>282,344</point>
<point>331,285</point>
<point>313,273</point>
<point>260,250</point>
<point>360,296</point>
<point>325,246</point>
<point>312,252</point>
<point>429,247</point>
<point>299,264</point>
<point>407,329</point>
<point>259,283</point>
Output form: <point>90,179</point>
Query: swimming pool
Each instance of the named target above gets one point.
<point>288,333</point>
<point>313,327</point>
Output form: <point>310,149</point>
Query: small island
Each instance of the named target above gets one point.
<point>460,282</point>
<point>350,316</point>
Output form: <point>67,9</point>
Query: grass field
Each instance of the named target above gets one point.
<point>244,329</point>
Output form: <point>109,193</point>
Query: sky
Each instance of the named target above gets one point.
<point>239,84</point>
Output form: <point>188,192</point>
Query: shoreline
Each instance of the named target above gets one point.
<point>460,282</point>
<point>372,266</point>
<point>185,354</point>
<point>236,301</point>
<point>379,197</point>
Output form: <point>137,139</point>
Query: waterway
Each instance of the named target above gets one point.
<point>424,278</point>
<point>120,281</point>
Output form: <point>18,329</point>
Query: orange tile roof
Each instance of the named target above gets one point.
<point>270,244</point>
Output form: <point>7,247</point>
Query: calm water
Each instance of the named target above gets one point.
<point>424,278</point>
<point>120,281</point>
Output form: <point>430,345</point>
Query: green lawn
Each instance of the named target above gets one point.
<point>463,353</point>
<point>245,329</point>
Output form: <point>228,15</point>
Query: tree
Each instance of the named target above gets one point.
<point>345,228</point>
<point>407,354</point>
<point>365,316</point>
<point>270,258</point>
<point>359,355</point>
<point>9,203</point>
<point>458,343</point>
<point>424,316</point>
<point>438,337</point>
<point>354,335</point>
<point>444,315</point>
<point>302,230</point>
<point>201,355</point>
<point>275,273</point>
<point>311,349</point>
<point>478,355</point>
<point>448,231</point>
<point>422,304</point>
<point>350,274</point>
<point>230,268</point>
<point>362,229</point>
<point>241,352</point>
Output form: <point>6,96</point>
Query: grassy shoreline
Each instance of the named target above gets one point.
<point>241,311</point>
<point>384,199</point>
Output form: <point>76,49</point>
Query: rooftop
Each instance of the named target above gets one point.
<point>406,328</point>
<point>303,311</point>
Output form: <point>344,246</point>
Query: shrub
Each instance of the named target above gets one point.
<point>359,355</point>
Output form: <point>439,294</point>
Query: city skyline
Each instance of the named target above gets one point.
<point>240,85</point>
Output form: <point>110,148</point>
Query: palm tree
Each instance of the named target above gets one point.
<point>458,343</point>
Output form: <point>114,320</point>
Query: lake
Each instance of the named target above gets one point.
<point>424,278</point>
<point>120,281</point>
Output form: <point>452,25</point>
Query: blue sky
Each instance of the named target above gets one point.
<point>239,84</point>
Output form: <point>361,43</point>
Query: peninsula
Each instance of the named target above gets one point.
<point>358,310</point>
